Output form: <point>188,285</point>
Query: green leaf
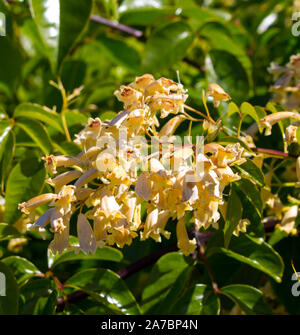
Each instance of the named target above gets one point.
<point>106,287</point>
<point>135,12</point>
<point>37,132</point>
<point>137,4</point>
<point>74,16</point>
<point>72,74</point>
<point>11,60</point>
<point>47,25</point>
<point>162,277</point>
<point>201,15</point>
<point>7,155</point>
<point>248,298</point>
<point>106,254</point>
<point>68,148</point>
<point>255,253</point>
<point>260,112</point>
<point>34,295</point>
<point>7,232</point>
<point>120,52</point>
<point>25,181</point>
<point>250,170</point>
<point>251,192</point>
<point>226,70</point>
<point>22,268</point>
<point>219,40</point>
<point>233,216</point>
<point>37,112</point>
<point>247,109</point>
<point>166,46</point>
<point>5,127</point>
<point>9,292</point>
<point>232,108</point>
<point>277,236</point>
<point>197,300</point>
<point>50,306</point>
<point>174,293</point>
<point>107,116</point>
<point>74,118</point>
<point>252,213</point>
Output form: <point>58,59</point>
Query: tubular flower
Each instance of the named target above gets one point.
<point>116,175</point>
<point>218,94</point>
<point>286,88</point>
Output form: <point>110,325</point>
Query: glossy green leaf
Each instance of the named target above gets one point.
<point>255,253</point>
<point>107,116</point>
<point>226,70</point>
<point>5,127</point>
<point>166,46</point>
<point>120,52</point>
<point>137,4</point>
<point>75,118</point>
<point>250,170</point>
<point>7,155</point>
<point>162,277</point>
<point>247,109</point>
<point>252,213</point>
<point>106,254</point>
<point>200,15</point>
<point>197,300</point>
<point>37,132</point>
<point>68,148</point>
<point>233,216</point>
<point>9,292</point>
<point>34,295</point>
<point>74,17</point>
<point>40,113</point>
<point>24,182</point>
<point>260,112</point>
<point>174,294</point>
<point>46,19</point>
<point>22,268</point>
<point>232,108</point>
<point>251,192</point>
<point>248,298</point>
<point>135,12</point>
<point>106,287</point>
<point>219,40</point>
<point>50,305</point>
<point>11,60</point>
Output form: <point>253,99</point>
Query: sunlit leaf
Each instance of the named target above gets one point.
<point>25,181</point>
<point>166,46</point>
<point>37,132</point>
<point>37,112</point>
<point>22,268</point>
<point>106,287</point>
<point>248,298</point>
<point>197,300</point>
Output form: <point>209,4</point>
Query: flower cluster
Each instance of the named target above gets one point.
<point>121,190</point>
<point>287,87</point>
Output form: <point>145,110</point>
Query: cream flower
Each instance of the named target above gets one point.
<point>86,237</point>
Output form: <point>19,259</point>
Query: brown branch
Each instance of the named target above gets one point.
<point>116,25</point>
<point>202,239</point>
<point>124,273</point>
<point>276,153</point>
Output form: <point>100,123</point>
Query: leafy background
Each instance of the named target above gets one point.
<point>102,44</point>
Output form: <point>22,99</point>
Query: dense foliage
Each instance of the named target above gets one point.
<point>62,61</point>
